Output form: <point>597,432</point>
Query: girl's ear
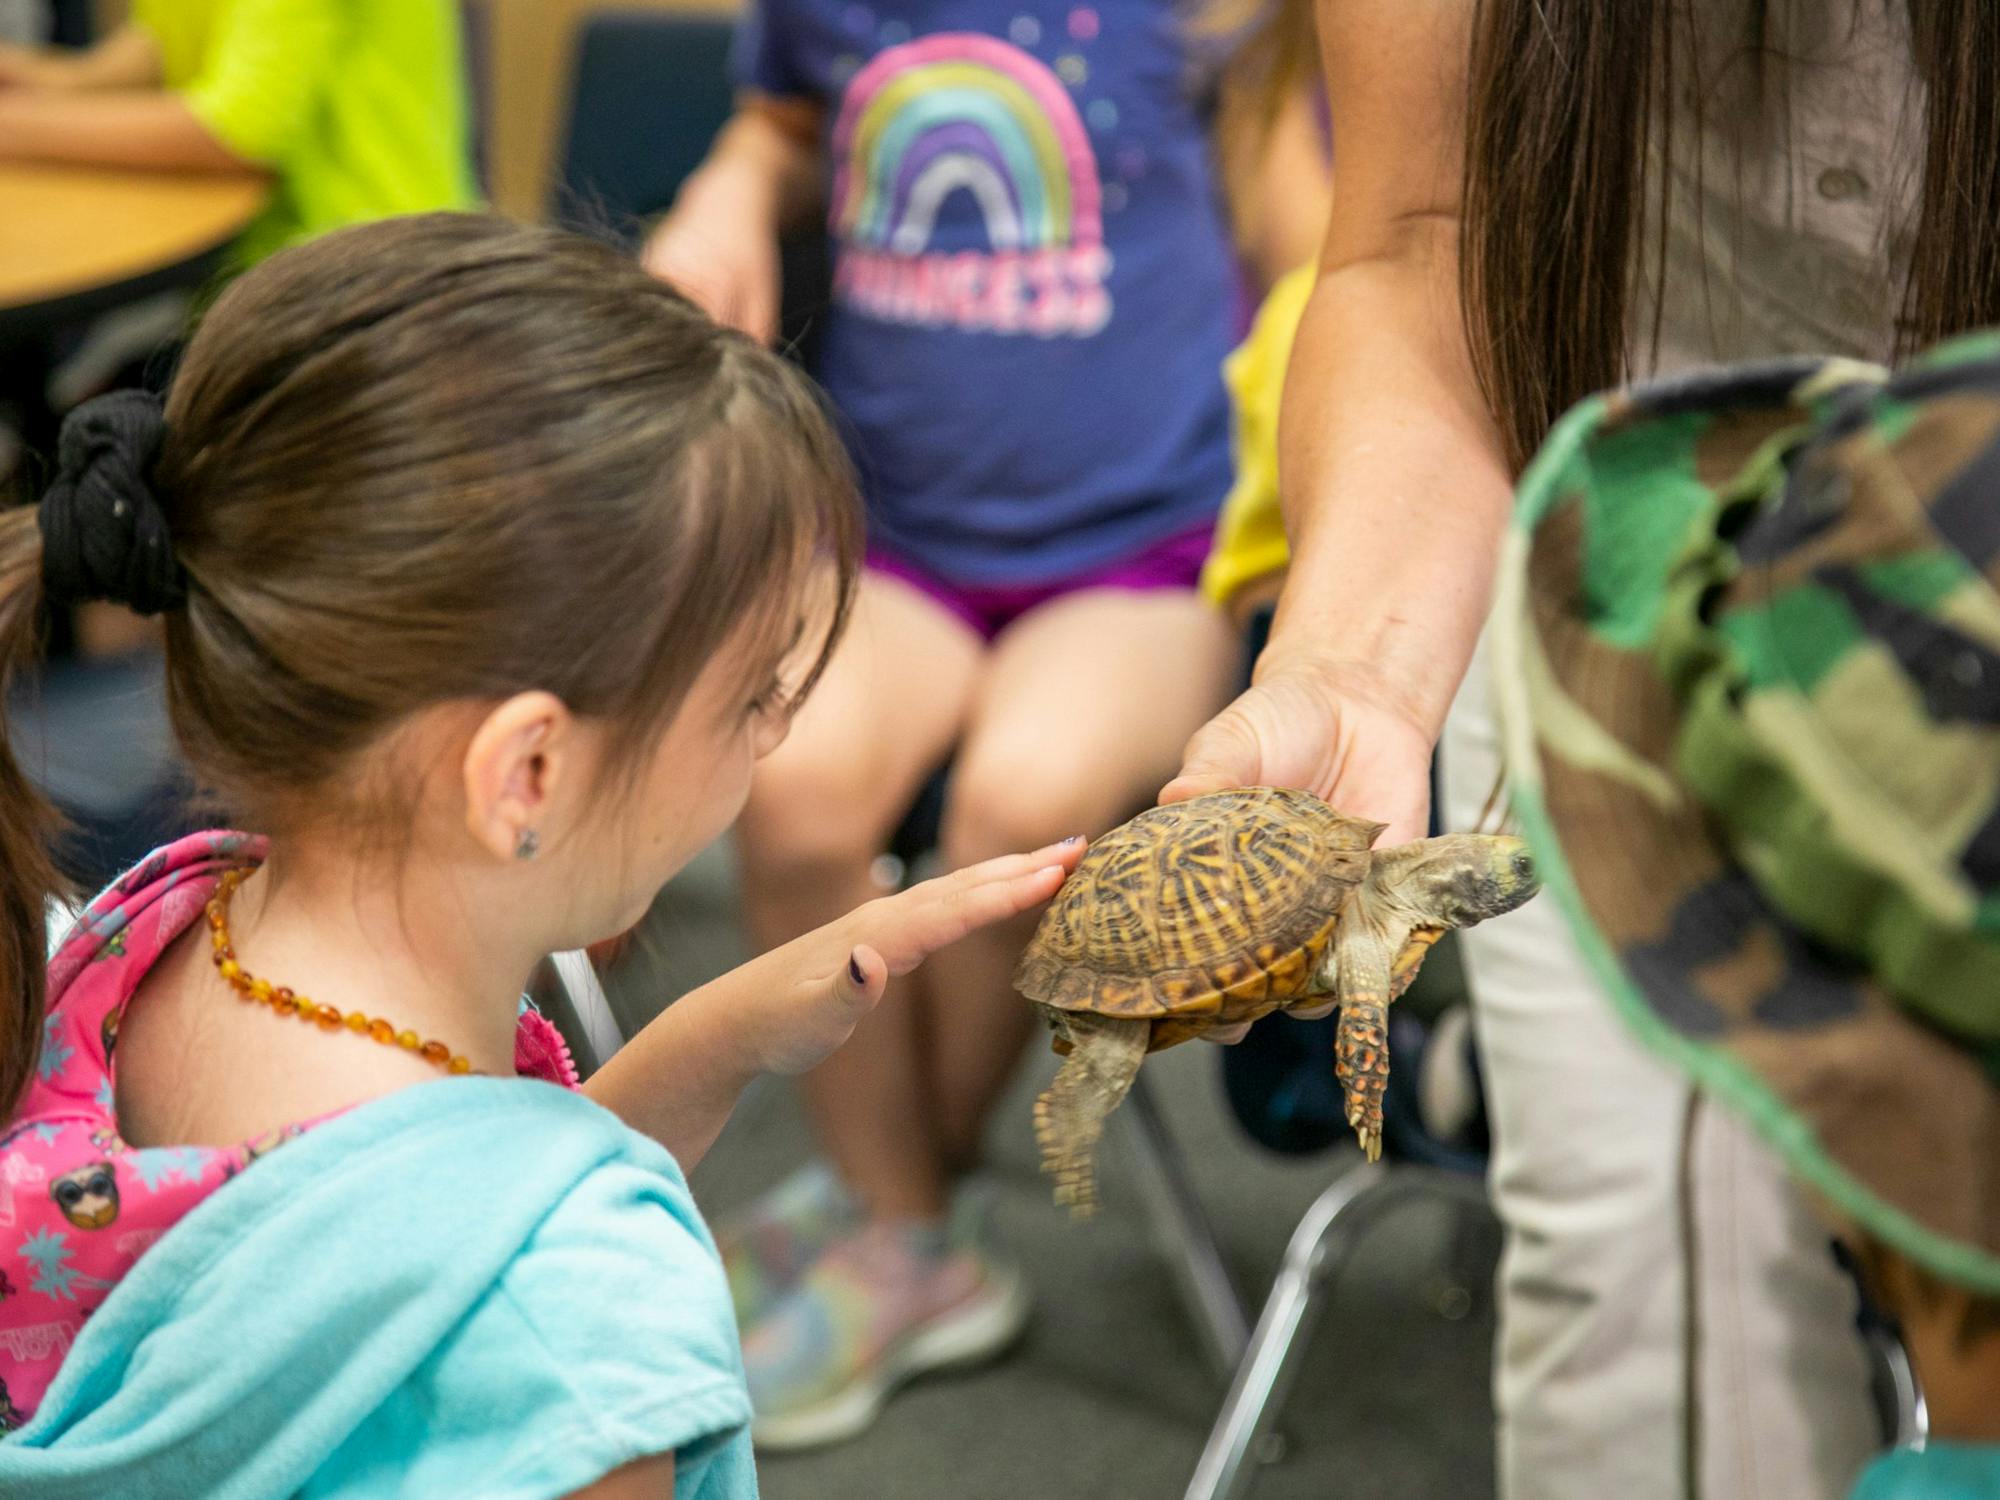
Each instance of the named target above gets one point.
<point>515,761</point>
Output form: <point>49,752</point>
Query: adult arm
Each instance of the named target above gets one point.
<point>1391,469</point>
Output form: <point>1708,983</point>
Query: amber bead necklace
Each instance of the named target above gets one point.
<point>285,1003</point>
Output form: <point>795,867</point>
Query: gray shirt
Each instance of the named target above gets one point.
<point>1791,205</point>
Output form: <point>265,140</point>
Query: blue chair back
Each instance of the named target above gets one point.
<point>71,23</point>
<point>651,90</point>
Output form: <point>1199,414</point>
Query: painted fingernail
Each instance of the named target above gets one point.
<point>854,971</point>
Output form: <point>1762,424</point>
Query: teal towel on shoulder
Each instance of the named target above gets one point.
<point>471,1287</point>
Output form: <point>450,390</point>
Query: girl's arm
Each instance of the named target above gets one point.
<point>1394,486</point>
<point>767,160</point>
<point>648,1479</point>
<point>260,83</point>
<point>719,243</point>
<point>679,1078</point>
<point>102,107</point>
<point>146,128</point>
<point>1281,192</point>
<point>127,59</point>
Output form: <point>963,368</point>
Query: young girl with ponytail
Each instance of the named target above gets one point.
<point>490,567</point>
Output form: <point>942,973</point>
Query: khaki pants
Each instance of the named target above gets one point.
<point>1671,1322</point>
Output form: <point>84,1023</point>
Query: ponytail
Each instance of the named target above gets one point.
<point>98,534</point>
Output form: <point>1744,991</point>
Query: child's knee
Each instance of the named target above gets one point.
<point>1007,803</point>
<point>809,813</point>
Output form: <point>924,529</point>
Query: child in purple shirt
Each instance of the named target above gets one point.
<point>1033,293</point>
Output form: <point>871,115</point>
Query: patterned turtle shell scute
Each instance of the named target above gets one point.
<point>1211,911</point>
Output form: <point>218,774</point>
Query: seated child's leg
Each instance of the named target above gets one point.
<point>821,809</point>
<point>1081,716</point>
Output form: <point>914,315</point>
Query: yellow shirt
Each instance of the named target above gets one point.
<point>1250,534</point>
<point>357,106</point>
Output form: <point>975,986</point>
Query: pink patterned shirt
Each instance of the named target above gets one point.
<point>77,1205</point>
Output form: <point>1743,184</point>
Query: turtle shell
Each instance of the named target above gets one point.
<point>1209,912</point>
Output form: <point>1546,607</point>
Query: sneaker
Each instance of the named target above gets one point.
<point>768,1247</point>
<point>884,1305</point>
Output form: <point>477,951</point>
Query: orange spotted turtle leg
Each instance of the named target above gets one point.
<point>1361,1052</point>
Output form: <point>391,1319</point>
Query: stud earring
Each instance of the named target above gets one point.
<point>528,845</point>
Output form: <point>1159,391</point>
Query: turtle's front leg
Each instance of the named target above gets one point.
<point>1361,1063</point>
<point>1361,1050</point>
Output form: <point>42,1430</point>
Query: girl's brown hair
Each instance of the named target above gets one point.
<point>1566,97</point>
<point>448,458</point>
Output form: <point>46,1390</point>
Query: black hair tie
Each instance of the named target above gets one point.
<point>104,535</point>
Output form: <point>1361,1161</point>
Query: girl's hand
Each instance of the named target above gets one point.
<point>723,256</point>
<point>678,1079</point>
<point>765,172</point>
<point>816,989</point>
<point>23,67</point>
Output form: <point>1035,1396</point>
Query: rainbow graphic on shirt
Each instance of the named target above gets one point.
<point>963,113</point>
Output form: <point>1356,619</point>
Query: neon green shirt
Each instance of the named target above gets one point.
<point>357,106</point>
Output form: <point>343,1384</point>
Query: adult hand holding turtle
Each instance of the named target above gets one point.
<point>1395,485</point>
<point>1395,490</point>
<point>1324,726</point>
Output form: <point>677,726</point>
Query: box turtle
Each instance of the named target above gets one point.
<point>1218,911</point>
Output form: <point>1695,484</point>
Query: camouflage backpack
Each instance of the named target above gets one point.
<point>1748,657</point>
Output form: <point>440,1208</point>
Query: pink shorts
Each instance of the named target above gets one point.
<point>1171,564</point>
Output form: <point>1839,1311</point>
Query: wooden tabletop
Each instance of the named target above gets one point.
<point>65,230</point>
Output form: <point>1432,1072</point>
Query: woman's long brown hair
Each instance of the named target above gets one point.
<point>1565,96</point>
<point>448,459</point>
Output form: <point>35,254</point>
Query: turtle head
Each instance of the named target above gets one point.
<point>1457,880</point>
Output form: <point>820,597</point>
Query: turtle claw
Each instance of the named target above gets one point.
<point>1362,1065</point>
<point>1366,1131</point>
<point>1080,1198</point>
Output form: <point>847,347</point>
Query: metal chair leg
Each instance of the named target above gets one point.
<point>1326,1234</point>
<point>1258,1393</point>
<point>1906,1417</point>
<point>1195,1257</point>
<point>1892,1378</point>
